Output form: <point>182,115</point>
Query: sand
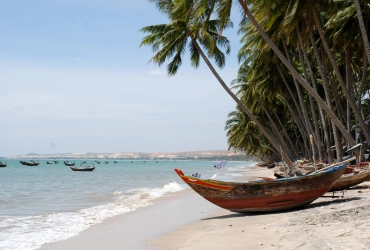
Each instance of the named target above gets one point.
<point>327,223</point>
<point>187,221</point>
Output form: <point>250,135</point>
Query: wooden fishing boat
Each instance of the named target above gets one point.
<point>83,169</point>
<point>351,179</point>
<point>266,195</point>
<point>30,163</point>
<point>260,164</point>
<point>69,163</point>
<point>2,165</point>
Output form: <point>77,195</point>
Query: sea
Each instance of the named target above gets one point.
<point>50,202</point>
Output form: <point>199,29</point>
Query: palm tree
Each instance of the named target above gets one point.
<point>169,41</point>
<point>362,28</point>
<point>223,12</point>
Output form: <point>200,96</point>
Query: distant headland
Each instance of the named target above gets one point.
<point>191,155</point>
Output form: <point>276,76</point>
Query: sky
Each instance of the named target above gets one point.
<point>73,78</point>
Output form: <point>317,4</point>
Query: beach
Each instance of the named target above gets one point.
<point>187,221</point>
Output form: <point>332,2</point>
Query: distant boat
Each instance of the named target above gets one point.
<point>115,161</point>
<point>83,162</point>
<point>106,162</point>
<point>56,162</point>
<point>49,162</point>
<point>83,169</point>
<point>30,163</point>
<point>2,165</point>
<point>69,163</point>
<point>98,162</point>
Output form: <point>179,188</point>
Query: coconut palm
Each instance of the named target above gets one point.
<point>362,28</point>
<point>169,42</point>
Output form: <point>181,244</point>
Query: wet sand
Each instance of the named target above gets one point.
<point>134,230</point>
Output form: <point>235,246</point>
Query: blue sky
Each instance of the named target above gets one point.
<point>74,79</point>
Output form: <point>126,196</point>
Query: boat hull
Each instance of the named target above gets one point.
<point>265,195</point>
<point>83,169</point>
<point>350,180</point>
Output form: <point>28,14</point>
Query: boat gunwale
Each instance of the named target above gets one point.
<point>262,181</point>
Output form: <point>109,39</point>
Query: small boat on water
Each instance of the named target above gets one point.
<point>106,162</point>
<point>2,165</point>
<point>56,162</point>
<point>115,161</point>
<point>83,168</point>
<point>266,195</point>
<point>49,162</point>
<point>30,163</point>
<point>67,163</point>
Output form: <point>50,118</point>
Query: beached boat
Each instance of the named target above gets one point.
<point>260,164</point>
<point>83,169</point>
<point>69,163</point>
<point>2,165</point>
<point>266,195</point>
<point>351,179</point>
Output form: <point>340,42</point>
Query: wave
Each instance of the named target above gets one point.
<point>30,232</point>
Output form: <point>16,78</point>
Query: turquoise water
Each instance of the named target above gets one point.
<point>50,202</point>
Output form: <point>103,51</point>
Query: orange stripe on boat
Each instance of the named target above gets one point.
<point>200,182</point>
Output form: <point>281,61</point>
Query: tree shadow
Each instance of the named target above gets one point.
<point>309,206</point>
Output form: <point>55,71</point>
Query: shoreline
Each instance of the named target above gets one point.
<point>134,230</point>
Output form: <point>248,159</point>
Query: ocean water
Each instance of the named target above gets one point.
<point>50,202</point>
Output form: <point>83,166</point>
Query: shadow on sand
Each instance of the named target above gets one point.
<point>309,206</point>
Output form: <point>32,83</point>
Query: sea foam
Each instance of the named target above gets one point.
<point>30,232</point>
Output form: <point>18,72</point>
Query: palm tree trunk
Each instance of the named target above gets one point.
<point>264,131</point>
<point>327,93</point>
<point>314,85</point>
<point>286,135</point>
<point>362,28</point>
<point>298,120</point>
<point>348,79</point>
<point>300,95</point>
<point>316,133</point>
<point>296,75</point>
<point>338,74</point>
<point>363,80</point>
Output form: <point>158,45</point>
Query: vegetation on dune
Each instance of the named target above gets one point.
<point>304,69</point>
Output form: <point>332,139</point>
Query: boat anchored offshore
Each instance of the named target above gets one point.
<point>67,163</point>
<point>2,165</point>
<point>266,195</point>
<point>81,168</point>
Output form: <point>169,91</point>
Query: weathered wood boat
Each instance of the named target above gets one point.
<point>351,179</point>
<point>83,169</point>
<point>266,195</point>
<point>69,163</point>
<point>3,165</point>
